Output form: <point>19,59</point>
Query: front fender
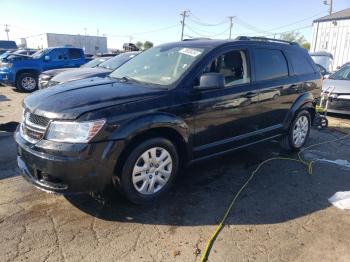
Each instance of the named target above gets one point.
<point>133,127</point>
<point>305,101</point>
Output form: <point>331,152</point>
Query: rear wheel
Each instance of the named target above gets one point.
<point>149,170</point>
<point>27,82</point>
<point>298,132</point>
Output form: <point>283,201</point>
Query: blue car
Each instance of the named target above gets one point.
<point>23,71</point>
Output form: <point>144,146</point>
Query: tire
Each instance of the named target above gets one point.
<point>275,97</point>
<point>299,128</point>
<point>141,170</point>
<point>27,82</point>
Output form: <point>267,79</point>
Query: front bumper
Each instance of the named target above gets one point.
<point>5,78</point>
<point>67,168</point>
<point>339,106</point>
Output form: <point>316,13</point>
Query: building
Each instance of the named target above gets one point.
<point>90,44</point>
<point>331,33</point>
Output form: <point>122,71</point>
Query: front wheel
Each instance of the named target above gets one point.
<point>298,132</point>
<point>149,170</point>
<point>27,82</point>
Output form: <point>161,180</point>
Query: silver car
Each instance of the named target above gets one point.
<point>339,83</point>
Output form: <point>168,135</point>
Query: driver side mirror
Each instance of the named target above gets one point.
<point>211,81</point>
<point>46,58</point>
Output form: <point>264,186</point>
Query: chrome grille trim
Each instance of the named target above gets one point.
<point>34,127</point>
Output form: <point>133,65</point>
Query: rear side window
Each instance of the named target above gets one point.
<point>57,55</point>
<point>269,64</point>
<point>74,54</point>
<point>300,63</point>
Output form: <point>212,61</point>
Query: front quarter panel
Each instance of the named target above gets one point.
<point>129,129</point>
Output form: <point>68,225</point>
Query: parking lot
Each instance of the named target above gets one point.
<point>283,215</point>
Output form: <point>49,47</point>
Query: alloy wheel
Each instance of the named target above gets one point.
<point>300,130</point>
<point>28,83</point>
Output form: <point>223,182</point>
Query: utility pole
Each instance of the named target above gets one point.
<point>330,5</point>
<point>85,29</point>
<point>184,14</point>
<point>231,25</point>
<point>7,30</point>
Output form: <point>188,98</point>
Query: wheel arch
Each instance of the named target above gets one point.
<point>146,127</point>
<point>28,71</point>
<point>303,102</point>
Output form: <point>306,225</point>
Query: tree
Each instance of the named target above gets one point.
<point>139,44</point>
<point>306,45</point>
<point>297,37</point>
<point>147,45</point>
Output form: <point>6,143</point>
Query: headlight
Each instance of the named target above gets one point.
<point>6,65</point>
<point>44,77</point>
<point>74,132</point>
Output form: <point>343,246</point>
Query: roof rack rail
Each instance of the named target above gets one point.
<point>247,38</point>
<point>196,38</point>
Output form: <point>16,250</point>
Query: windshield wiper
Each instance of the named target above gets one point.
<point>126,79</point>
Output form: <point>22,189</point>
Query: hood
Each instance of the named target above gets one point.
<point>16,57</point>
<point>80,73</point>
<point>70,100</point>
<point>341,86</point>
<point>55,72</point>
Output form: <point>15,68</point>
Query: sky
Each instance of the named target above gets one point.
<point>159,21</point>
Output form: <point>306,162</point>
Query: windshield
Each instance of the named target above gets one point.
<point>322,60</point>
<point>94,62</point>
<point>117,61</point>
<point>5,54</point>
<point>40,53</point>
<point>159,65</point>
<point>341,74</point>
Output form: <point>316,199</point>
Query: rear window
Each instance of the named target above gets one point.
<point>74,54</point>
<point>300,63</point>
<point>8,44</point>
<point>269,64</point>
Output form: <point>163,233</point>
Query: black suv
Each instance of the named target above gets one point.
<point>172,104</point>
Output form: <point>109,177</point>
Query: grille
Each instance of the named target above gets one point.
<point>340,104</point>
<point>37,120</point>
<point>34,127</point>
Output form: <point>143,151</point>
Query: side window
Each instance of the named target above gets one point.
<point>74,54</point>
<point>300,64</point>
<point>57,55</point>
<point>233,65</point>
<point>269,64</point>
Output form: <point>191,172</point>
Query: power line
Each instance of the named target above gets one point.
<point>296,22</point>
<point>146,32</point>
<point>250,27</point>
<point>295,29</point>
<point>207,24</point>
<point>198,21</point>
<point>207,36</point>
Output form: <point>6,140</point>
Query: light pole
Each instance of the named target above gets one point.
<point>7,30</point>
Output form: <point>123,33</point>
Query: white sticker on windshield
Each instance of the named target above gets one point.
<point>190,52</point>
